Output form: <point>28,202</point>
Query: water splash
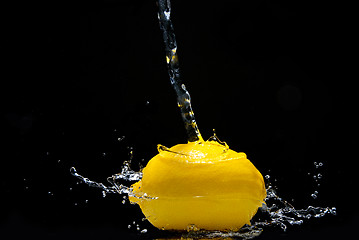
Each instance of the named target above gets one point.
<point>105,189</point>
<point>280,212</point>
<point>277,212</point>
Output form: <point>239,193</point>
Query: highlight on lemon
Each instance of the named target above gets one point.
<point>201,184</point>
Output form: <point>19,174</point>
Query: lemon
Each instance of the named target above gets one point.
<point>204,185</point>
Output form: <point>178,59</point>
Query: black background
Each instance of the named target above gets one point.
<point>272,77</point>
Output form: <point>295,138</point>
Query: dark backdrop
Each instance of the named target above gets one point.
<point>272,77</point>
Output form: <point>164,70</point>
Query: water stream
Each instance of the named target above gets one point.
<point>183,97</point>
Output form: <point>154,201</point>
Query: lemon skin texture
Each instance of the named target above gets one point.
<point>203,184</point>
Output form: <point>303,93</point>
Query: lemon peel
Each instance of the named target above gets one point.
<point>202,184</point>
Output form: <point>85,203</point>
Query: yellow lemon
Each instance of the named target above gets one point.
<point>204,185</point>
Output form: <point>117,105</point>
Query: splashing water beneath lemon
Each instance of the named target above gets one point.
<point>273,210</point>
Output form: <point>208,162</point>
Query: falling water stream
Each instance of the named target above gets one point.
<point>183,97</point>
<point>276,211</point>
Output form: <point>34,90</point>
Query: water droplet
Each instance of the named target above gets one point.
<point>58,161</point>
<point>314,196</point>
<point>70,188</point>
<point>333,211</point>
<point>192,228</point>
<point>144,230</point>
<point>86,201</point>
<point>128,226</point>
<point>103,194</point>
<point>75,204</point>
<point>317,165</point>
<point>123,201</point>
<point>121,138</point>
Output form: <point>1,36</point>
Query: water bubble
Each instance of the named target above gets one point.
<point>319,176</point>
<point>320,164</point>
<point>58,161</point>
<point>267,177</point>
<point>144,230</point>
<point>123,201</point>
<point>86,201</point>
<point>104,154</point>
<point>103,194</point>
<point>129,226</point>
<point>70,188</point>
